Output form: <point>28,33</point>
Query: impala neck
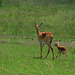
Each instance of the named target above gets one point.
<point>37,30</point>
<point>58,45</point>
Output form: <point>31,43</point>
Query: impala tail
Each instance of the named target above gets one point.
<point>51,38</point>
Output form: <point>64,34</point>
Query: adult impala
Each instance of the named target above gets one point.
<point>44,38</point>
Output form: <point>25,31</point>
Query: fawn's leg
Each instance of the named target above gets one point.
<point>59,54</point>
<point>67,55</point>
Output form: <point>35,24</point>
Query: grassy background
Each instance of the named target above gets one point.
<point>17,17</point>
<point>19,56</point>
<point>19,47</point>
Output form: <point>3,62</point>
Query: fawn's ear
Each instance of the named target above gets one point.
<point>59,42</point>
<point>34,24</point>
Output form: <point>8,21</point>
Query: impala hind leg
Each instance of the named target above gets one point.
<point>47,52</point>
<point>51,38</point>
<point>52,52</point>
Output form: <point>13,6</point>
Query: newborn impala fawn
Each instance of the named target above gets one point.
<point>62,49</point>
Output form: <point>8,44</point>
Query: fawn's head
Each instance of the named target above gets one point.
<point>57,43</point>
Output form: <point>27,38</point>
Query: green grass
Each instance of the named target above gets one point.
<point>19,47</point>
<point>19,56</point>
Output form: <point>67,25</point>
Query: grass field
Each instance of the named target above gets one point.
<point>19,56</point>
<point>19,46</point>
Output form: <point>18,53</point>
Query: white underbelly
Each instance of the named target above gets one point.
<point>43,43</point>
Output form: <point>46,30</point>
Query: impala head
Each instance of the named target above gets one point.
<point>57,43</point>
<point>37,26</point>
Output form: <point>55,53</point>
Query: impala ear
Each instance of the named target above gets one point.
<point>40,24</point>
<point>35,24</point>
<point>59,42</point>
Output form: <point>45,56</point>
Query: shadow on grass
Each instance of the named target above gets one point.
<point>37,57</point>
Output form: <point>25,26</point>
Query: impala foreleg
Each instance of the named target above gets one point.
<point>67,55</point>
<point>57,55</point>
<point>41,50</point>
